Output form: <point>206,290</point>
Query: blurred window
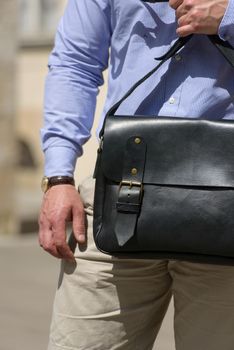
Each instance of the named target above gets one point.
<point>39,17</point>
<point>50,13</point>
<point>25,156</point>
<point>29,17</point>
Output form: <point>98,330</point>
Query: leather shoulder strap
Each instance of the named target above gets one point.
<point>171,52</point>
<point>224,47</point>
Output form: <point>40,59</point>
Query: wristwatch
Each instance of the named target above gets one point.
<point>48,182</point>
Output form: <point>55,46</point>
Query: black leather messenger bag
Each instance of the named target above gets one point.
<point>165,186</point>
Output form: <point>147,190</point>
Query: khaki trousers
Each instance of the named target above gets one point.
<point>103,303</point>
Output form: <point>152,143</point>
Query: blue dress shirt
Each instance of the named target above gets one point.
<point>126,36</point>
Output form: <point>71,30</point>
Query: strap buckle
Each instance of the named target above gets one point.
<point>128,208</point>
<point>130,184</point>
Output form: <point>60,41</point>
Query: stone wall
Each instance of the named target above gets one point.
<point>8,49</point>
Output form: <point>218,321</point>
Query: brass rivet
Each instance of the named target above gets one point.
<point>134,171</point>
<point>137,140</point>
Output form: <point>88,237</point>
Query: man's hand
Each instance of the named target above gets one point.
<point>198,16</point>
<point>61,204</point>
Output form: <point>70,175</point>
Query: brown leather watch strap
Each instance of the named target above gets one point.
<point>48,182</point>
<point>61,180</point>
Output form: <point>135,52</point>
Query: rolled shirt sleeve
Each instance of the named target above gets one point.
<point>76,64</point>
<point>226,28</point>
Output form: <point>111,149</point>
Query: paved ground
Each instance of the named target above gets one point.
<point>28,280</point>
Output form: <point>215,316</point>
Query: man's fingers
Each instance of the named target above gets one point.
<point>59,238</point>
<point>52,238</point>
<point>181,11</point>
<point>49,246</point>
<point>64,250</point>
<point>175,3</point>
<point>78,224</point>
<point>199,16</point>
<point>183,20</point>
<point>45,238</point>
<point>185,30</point>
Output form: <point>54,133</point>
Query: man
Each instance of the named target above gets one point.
<point>103,303</point>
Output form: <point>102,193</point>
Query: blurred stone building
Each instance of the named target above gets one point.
<point>33,24</point>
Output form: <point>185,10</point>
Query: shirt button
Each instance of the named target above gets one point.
<point>178,57</point>
<point>172,100</point>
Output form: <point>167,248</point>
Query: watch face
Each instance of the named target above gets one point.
<point>44,184</point>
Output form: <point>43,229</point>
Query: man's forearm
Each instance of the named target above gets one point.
<point>75,72</point>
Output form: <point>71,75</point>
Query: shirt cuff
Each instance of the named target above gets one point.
<point>60,161</point>
<point>226,28</point>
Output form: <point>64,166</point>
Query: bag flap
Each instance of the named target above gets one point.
<point>186,152</point>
